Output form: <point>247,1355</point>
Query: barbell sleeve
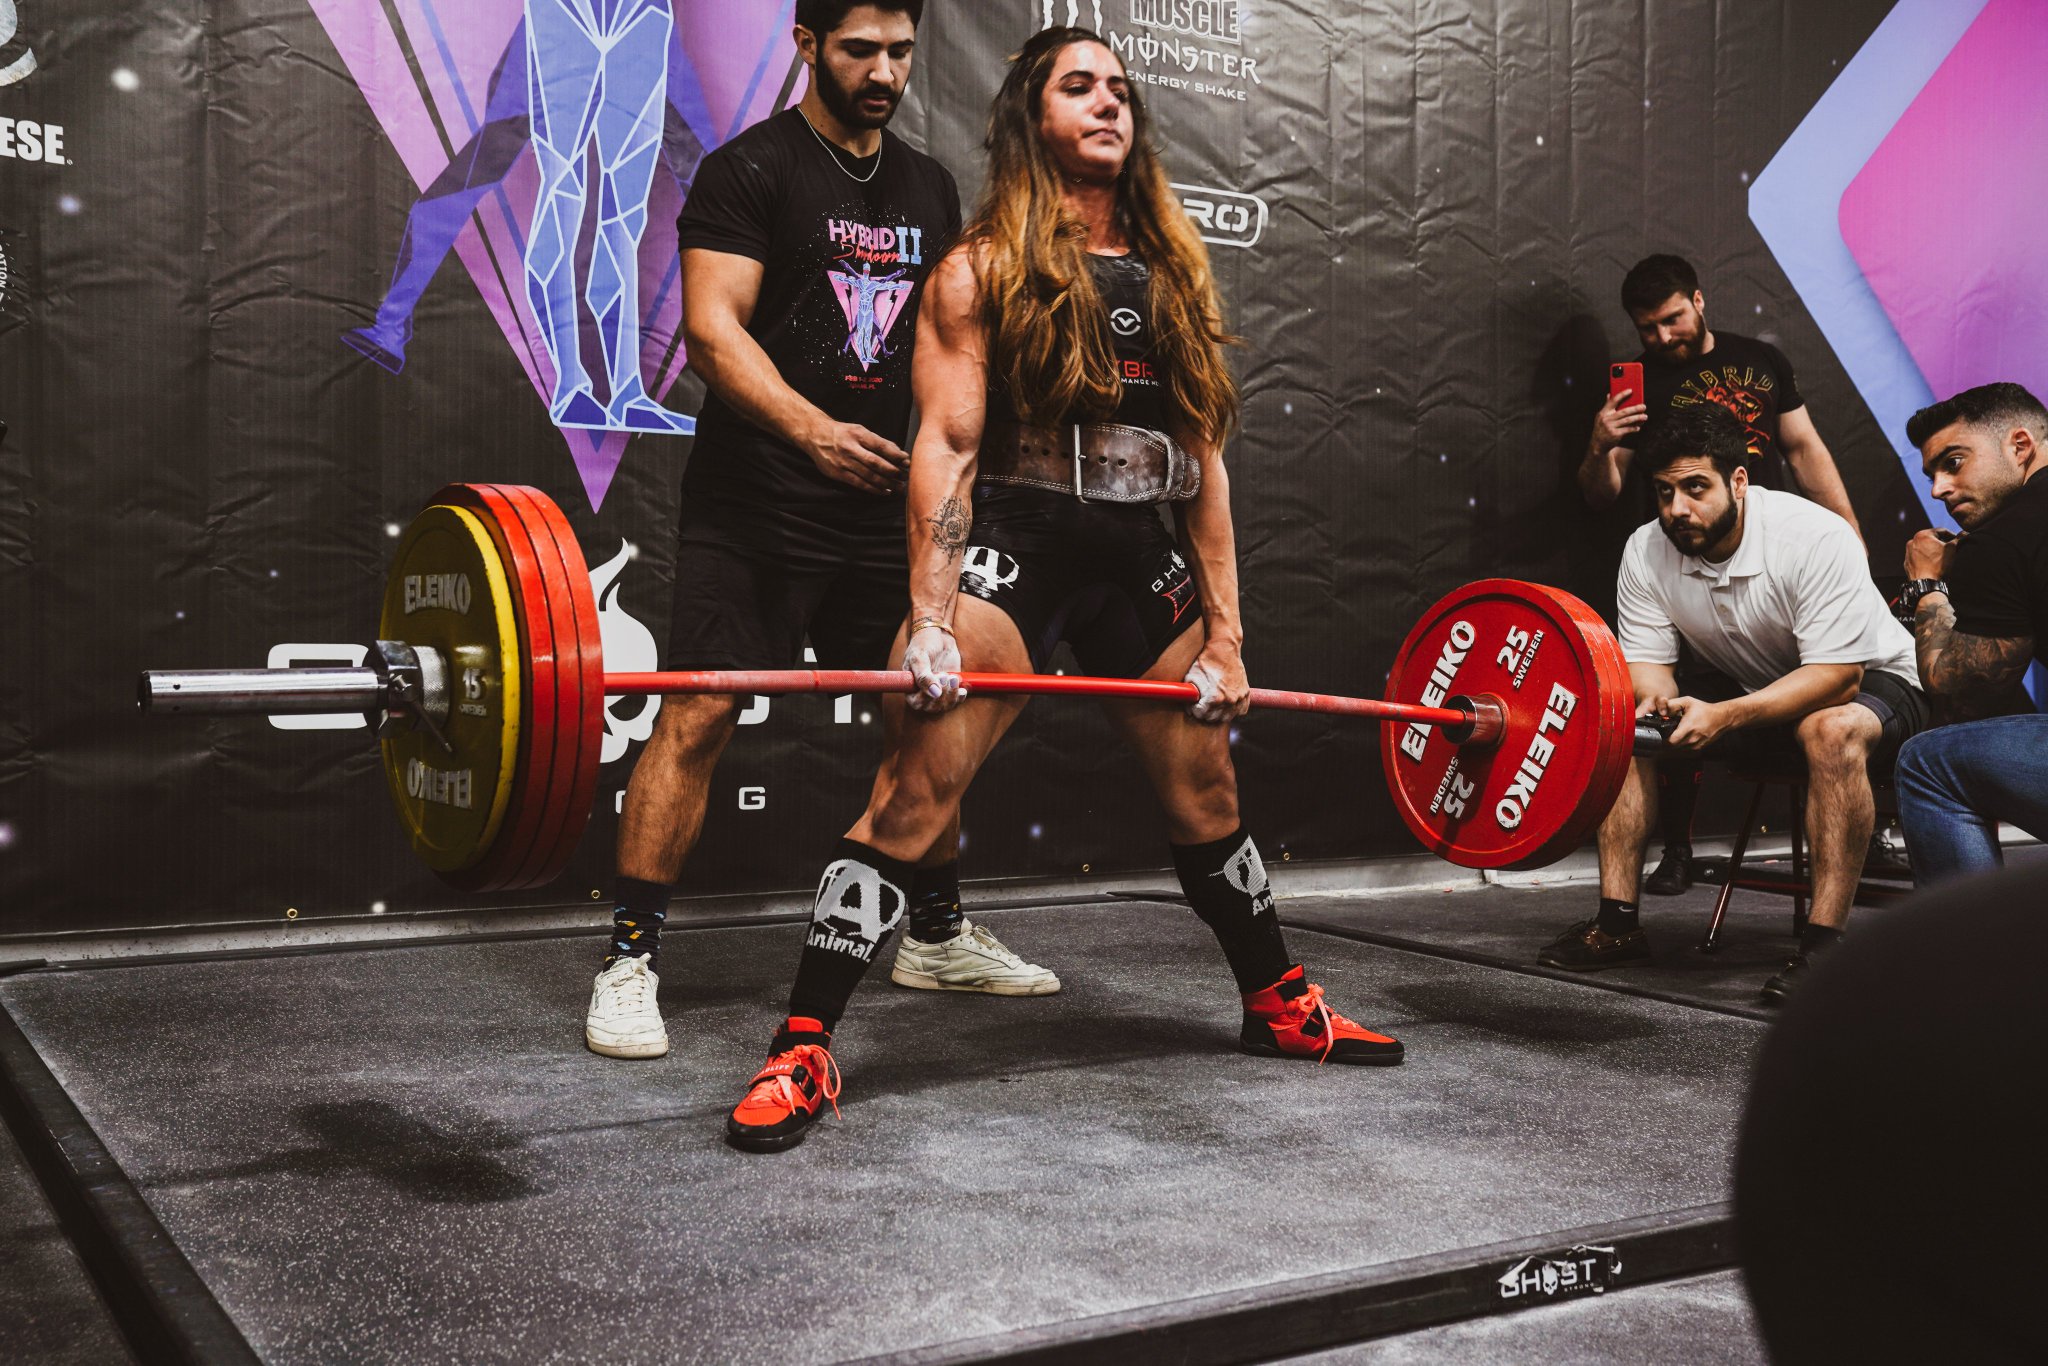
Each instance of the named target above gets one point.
<point>266,692</point>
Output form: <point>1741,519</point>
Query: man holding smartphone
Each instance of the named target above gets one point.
<point>1684,367</point>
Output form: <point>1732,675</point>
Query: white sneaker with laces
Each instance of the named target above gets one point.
<point>972,960</point>
<point>624,1021</point>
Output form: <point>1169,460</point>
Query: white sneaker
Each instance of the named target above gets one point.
<point>624,1021</point>
<point>972,960</point>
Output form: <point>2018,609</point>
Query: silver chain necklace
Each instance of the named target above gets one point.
<point>830,152</point>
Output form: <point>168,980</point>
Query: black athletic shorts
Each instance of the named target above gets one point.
<point>1106,578</point>
<point>753,581</point>
<point>1900,707</point>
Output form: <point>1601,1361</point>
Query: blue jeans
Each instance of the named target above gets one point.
<point>1956,783</point>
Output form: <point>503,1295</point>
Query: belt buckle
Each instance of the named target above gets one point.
<point>1079,496</point>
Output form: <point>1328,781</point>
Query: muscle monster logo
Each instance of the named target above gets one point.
<point>554,141</point>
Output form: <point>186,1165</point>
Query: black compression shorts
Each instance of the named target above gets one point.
<point>1106,578</point>
<point>753,581</point>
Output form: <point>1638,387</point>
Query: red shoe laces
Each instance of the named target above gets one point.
<point>776,1075</point>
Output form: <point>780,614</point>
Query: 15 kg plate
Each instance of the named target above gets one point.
<point>448,591</point>
<point>1558,672</point>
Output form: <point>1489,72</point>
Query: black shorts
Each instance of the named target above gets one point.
<point>753,581</point>
<point>1106,578</point>
<point>1902,709</point>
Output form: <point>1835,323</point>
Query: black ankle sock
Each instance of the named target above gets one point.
<point>1818,938</point>
<point>1226,884</point>
<point>1617,917</point>
<point>860,899</point>
<point>935,904</point>
<point>638,909</point>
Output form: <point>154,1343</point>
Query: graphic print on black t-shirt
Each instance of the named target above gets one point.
<point>845,245</point>
<point>1749,378</point>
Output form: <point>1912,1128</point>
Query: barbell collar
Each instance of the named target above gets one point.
<point>261,692</point>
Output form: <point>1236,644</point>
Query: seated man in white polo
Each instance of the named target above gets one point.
<point>1795,647</point>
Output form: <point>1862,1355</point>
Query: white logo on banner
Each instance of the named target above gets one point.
<point>22,67</point>
<point>1073,9</point>
<point>629,648</point>
<point>301,656</point>
<point>1224,217</point>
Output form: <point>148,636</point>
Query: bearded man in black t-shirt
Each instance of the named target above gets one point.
<point>1979,610</point>
<point>1687,366</point>
<point>805,243</point>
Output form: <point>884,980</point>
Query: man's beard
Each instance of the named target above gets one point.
<point>1716,531</point>
<point>1682,348</point>
<point>844,105</point>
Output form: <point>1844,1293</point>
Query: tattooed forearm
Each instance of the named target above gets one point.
<point>950,525</point>
<point>1932,625</point>
<point>1971,669</point>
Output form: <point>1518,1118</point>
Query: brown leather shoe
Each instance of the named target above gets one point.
<point>1586,947</point>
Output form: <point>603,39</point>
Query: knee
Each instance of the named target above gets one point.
<point>694,726</point>
<point>1838,737</point>
<point>910,803</point>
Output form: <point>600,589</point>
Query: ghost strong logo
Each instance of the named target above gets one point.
<point>1246,871</point>
<point>857,907</point>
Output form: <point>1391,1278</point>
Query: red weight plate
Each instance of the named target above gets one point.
<point>580,670</point>
<point>576,577</point>
<point>526,871</point>
<point>538,743</point>
<point>1570,725</point>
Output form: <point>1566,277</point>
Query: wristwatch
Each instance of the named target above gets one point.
<point>1910,595</point>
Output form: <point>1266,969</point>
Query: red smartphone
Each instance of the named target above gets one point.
<point>1626,374</point>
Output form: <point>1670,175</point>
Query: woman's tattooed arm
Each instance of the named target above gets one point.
<point>950,525</point>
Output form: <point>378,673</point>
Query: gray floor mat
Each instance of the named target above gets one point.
<point>406,1155</point>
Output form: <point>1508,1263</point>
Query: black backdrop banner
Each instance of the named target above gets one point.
<point>269,280</point>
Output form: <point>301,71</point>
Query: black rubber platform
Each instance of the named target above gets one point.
<point>51,1311</point>
<point>406,1153</point>
<point>1699,1320</point>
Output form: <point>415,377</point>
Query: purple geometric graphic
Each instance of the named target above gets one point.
<point>1944,218</point>
<point>426,76</point>
<point>1796,204</point>
<point>871,303</point>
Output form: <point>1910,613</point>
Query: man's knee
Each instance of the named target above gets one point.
<point>1839,737</point>
<point>693,724</point>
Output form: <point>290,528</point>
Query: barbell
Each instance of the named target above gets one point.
<point>1508,715</point>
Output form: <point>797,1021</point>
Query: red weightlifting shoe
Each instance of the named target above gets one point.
<point>786,1097</point>
<point>1290,1019</point>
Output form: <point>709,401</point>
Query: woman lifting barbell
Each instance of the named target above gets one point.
<point>1069,366</point>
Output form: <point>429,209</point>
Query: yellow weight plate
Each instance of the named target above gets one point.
<point>448,592</point>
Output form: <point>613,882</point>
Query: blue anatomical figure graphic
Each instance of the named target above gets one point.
<point>586,83</point>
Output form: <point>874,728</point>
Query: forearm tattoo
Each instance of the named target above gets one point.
<point>1970,669</point>
<point>950,525</point>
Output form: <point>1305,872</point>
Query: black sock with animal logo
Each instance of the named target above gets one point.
<point>1226,884</point>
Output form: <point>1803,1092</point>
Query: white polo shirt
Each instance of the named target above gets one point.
<point>1796,591</point>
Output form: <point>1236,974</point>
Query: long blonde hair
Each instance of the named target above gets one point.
<point>1048,330</point>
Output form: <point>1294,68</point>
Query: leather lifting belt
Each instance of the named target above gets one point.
<point>1097,462</point>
